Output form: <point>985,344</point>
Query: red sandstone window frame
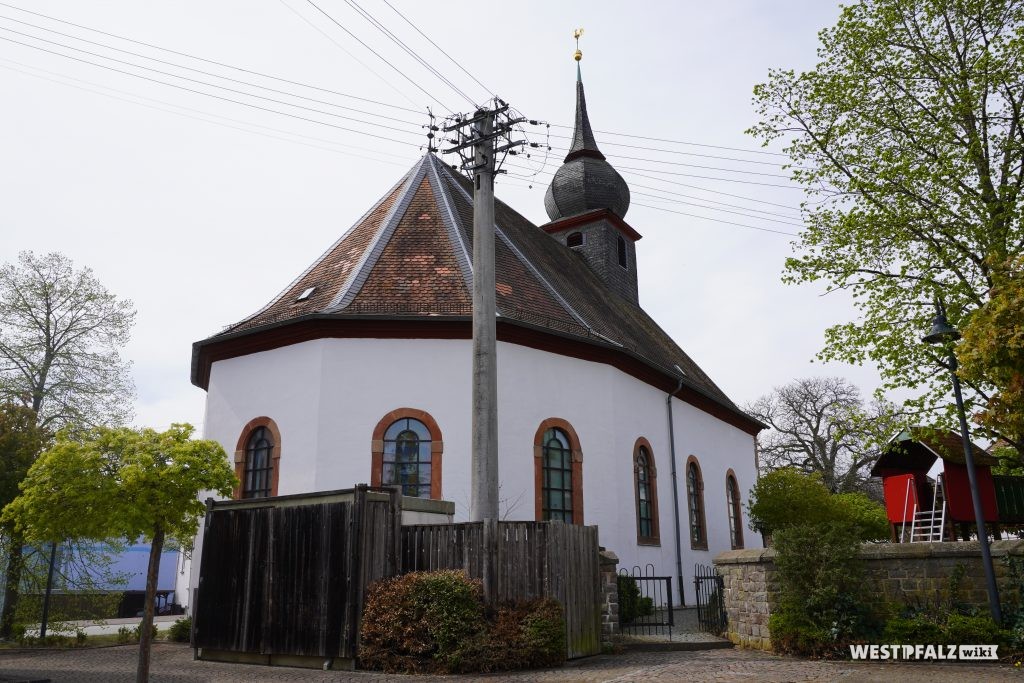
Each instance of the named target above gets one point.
<point>654,538</point>
<point>240,453</point>
<point>735,512</point>
<point>436,447</point>
<point>576,468</point>
<point>695,505</point>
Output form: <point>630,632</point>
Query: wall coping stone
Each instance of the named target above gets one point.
<point>890,551</point>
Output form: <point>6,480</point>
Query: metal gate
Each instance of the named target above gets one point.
<point>645,602</point>
<point>710,589</point>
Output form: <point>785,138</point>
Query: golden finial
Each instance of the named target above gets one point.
<point>579,53</point>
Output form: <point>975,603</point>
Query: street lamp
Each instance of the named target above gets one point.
<point>942,333</point>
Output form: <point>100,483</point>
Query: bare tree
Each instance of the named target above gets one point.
<point>61,333</point>
<point>822,425</point>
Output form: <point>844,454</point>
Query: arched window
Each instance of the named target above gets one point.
<point>558,473</point>
<point>406,449</point>
<point>575,239</point>
<point>732,499</point>
<point>257,459</point>
<point>695,503</point>
<point>622,251</point>
<point>645,484</point>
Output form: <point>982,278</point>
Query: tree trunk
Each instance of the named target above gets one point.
<point>15,562</point>
<point>146,627</point>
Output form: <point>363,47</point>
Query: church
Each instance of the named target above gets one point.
<point>360,371</point>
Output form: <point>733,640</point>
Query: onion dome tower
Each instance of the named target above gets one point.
<point>587,201</point>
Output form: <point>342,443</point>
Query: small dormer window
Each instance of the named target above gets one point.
<point>622,252</point>
<point>306,293</point>
<point>574,239</point>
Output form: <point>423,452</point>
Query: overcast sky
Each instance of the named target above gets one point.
<point>200,209</point>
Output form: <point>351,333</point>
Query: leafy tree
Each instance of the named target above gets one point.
<point>60,336</point>
<point>993,346</point>
<point>907,138</point>
<point>110,483</point>
<point>787,497</point>
<point>60,331</point>
<point>820,425</point>
<point>21,440</point>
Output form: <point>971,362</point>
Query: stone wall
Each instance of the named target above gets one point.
<point>609,597</point>
<point>896,573</point>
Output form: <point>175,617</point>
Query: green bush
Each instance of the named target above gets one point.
<point>629,599</point>
<point>435,622</point>
<point>181,630</point>
<point>961,629</point>
<point>821,590</point>
<point>787,497</point>
<point>916,630</point>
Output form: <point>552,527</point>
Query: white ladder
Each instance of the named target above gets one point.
<point>928,526</point>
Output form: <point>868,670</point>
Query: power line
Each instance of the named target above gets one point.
<point>450,58</point>
<point>680,142</point>
<point>677,183</point>
<point>214,85</point>
<point>202,114</point>
<point>221,64</point>
<point>182,66</point>
<point>710,201</point>
<point>705,189</point>
<point>676,151</point>
<point>395,68</point>
<point>680,163</point>
<point>412,53</point>
<point>713,208</point>
<point>717,220</point>
<point>207,94</point>
<point>704,177</point>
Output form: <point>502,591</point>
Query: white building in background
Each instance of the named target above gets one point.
<point>359,371</point>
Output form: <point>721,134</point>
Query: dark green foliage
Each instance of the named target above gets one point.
<point>821,590</point>
<point>629,599</point>
<point>788,497</point>
<point>181,630</point>
<point>435,622</point>
<point>916,630</point>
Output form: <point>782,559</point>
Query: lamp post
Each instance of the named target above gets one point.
<point>943,333</point>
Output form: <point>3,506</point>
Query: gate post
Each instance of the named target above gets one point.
<point>609,596</point>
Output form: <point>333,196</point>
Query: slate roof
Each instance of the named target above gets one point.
<point>409,258</point>
<point>585,181</point>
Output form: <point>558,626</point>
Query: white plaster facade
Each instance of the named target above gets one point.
<point>327,395</point>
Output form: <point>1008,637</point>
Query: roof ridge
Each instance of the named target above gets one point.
<point>326,252</point>
<point>536,273</point>
<point>452,222</point>
<point>368,259</point>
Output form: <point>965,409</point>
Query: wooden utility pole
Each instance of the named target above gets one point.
<point>479,133</point>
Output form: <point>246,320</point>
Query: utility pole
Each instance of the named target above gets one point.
<point>479,132</point>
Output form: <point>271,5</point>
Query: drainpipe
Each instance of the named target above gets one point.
<point>675,488</point>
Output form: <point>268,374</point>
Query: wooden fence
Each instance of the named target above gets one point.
<point>283,580</point>
<point>520,561</point>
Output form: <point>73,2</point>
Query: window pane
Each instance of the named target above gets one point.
<point>418,428</point>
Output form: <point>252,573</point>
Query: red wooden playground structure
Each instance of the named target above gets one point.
<point>923,510</point>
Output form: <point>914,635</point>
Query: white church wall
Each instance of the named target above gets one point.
<point>326,397</point>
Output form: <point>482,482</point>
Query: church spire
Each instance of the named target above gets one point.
<point>585,181</point>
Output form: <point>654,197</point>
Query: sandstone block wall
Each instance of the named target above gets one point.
<point>896,572</point>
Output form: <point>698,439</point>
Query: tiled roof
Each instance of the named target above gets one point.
<point>409,257</point>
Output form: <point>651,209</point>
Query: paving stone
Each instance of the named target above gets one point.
<point>173,663</point>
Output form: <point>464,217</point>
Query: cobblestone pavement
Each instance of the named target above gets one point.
<point>173,663</point>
